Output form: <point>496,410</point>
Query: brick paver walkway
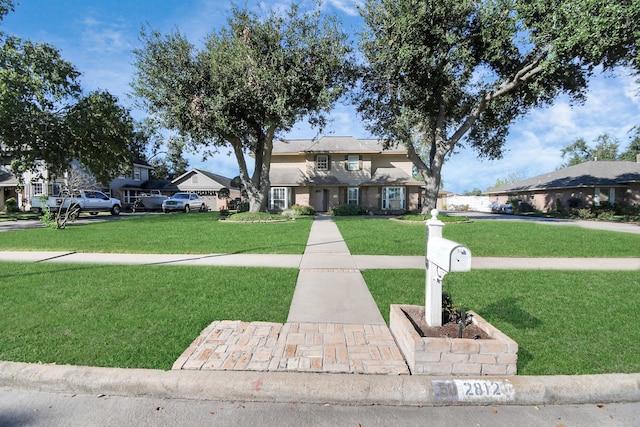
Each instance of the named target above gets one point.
<point>300,347</point>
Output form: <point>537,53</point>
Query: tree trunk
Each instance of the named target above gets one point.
<point>258,185</point>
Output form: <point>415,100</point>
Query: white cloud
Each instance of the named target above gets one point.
<point>346,6</point>
<point>106,37</point>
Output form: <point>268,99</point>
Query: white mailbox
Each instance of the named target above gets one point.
<point>449,255</point>
<point>443,256</point>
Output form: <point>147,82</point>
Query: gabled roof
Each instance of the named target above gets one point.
<point>331,144</point>
<point>588,174</point>
<point>7,179</point>
<point>222,180</point>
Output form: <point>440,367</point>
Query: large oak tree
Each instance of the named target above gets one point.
<point>45,116</point>
<point>251,81</point>
<point>440,73</point>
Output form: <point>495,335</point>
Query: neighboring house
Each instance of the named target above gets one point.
<point>8,186</point>
<point>342,170</point>
<point>208,186</point>
<point>127,187</point>
<point>585,184</point>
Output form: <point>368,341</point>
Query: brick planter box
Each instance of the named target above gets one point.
<point>453,356</point>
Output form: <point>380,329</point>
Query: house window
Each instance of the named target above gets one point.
<point>353,163</point>
<point>322,163</point>
<point>352,195</point>
<point>393,198</point>
<point>280,198</point>
<point>36,188</point>
<point>612,195</point>
<point>136,173</point>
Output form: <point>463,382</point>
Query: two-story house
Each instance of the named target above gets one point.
<point>339,170</point>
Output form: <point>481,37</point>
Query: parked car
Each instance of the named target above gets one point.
<point>503,208</point>
<point>91,201</point>
<point>184,202</point>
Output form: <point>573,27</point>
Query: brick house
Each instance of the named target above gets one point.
<point>338,170</point>
<point>585,184</point>
<point>208,186</point>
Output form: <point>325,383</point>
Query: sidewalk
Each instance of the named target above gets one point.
<point>333,327</point>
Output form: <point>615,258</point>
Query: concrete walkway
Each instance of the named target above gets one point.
<point>333,327</point>
<point>330,288</point>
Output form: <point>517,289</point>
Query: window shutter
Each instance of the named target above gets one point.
<point>328,162</point>
<point>359,162</point>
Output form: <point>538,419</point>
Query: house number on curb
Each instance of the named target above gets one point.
<point>472,390</point>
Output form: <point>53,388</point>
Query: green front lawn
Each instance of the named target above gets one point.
<point>194,233</point>
<point>565,322</point>
<point>487,238</point>
<point>128,316</point>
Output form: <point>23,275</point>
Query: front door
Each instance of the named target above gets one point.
<point>321,200</point>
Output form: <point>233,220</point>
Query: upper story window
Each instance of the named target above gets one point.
<point>353,162</point>
<point>322,162</point>
<point>136,173</point>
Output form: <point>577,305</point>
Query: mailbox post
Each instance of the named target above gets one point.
<point>442,256</point>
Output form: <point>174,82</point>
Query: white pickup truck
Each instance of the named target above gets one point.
<point>91,201</point>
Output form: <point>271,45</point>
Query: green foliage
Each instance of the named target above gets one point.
<point>606,148</point>
<point>347,210</point>
<point>11,205</point>
<point>255,79</point>
<point>608,212</point>
<point>474,192</point>
<point>301,210</point>
<point>45,116</point>
<point>440,73</point>
<point>633,150</point>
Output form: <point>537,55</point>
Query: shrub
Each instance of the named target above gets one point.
<point>584,213</point>
<point>575,203</point>
<point>11,205</point>
<point>347,210</point>
<point>301,210</point>
<point>558,206</point>
<point>242,207</point>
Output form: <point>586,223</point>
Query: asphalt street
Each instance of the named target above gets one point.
<point>29,408</point>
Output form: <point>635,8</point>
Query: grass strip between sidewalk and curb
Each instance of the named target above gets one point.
<point>565,322</point>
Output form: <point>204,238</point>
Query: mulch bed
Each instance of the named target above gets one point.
<point>447,330</point>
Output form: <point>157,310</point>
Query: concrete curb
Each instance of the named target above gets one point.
<point>344,389</point>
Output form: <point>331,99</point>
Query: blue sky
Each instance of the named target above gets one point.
<point>98,37</point>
